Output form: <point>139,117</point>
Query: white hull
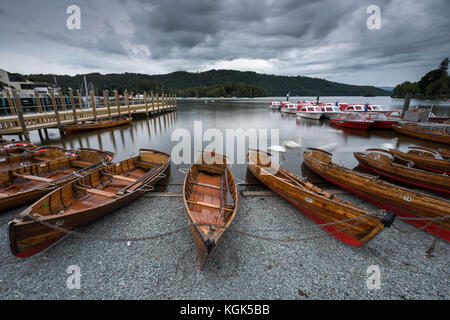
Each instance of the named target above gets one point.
<point>275,107</point>
<point>294,111</point>
<point>310,115</point>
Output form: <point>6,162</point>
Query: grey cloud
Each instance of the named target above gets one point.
<point>319,38</point>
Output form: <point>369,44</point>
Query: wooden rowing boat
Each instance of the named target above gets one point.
<point>424,158</point>
<point>444,153</point>
<point>406,203</point>
<point>393,167</point>
<point>210,198</point>
<point>435,133</point>
<point>84,200</point>
<point>95,125</point>
<point>28,157</point>
<point>357,226</point>
<point>24,185</point>
<point>14,148</point>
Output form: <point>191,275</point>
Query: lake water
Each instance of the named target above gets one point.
<point>223,114</point>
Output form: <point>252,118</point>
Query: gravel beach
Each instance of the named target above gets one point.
<point>413,265</point>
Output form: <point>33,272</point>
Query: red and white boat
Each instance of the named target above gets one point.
<point>352,120</point>
<point>362,108</point>
<point>381,120</point>
<point>330,111</point>
<point>275,105</point>
<point>289,107</point>
<point>309,111</point>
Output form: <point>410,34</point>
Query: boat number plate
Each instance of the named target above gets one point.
<point>407,198</point>
<point>309,200</point>
<point>59,223</point>
<point>341,121</point>
<point>43,164</point>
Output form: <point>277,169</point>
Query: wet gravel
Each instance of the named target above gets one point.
<point>413,265</point>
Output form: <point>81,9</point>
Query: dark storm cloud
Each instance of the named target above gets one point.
<point>322,38</point>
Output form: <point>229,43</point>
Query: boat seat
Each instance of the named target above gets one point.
<point>30,177</point>
<point>102,193</point>
<point>123,178</point>
<point>81,163</point>
<point>204,184</point>
<point>204,204</point>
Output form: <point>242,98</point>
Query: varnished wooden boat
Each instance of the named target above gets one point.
<point>444,153</point>
<point>424,158</point>
<point>14,148</point>
<point>84,200</point>
<point>405,202</point>
<point>210,198</point>
<point>435,133</point>
<point>24,185</point>
<point>396,168</point>
<point>318,205</point>
<point>95,125</point>
<point>28,157</point>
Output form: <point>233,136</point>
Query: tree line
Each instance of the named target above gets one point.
<point>434,84</point>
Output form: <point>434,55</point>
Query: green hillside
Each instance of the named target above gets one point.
<point>185,83</point>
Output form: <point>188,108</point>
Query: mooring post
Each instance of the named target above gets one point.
<point>176,103</point>
<point>38,101</point>
<point>18,104</point>
<point>157,102</point>
<point>55,108</point>
<point>146,105</point>
<point>153,103</point>
<point>106,101</point>
<point>80,100</point>
<point>62,101</point>
<point>74,107</point>
<point>116,97</point>
<point>406,103</point>
<point>127,99</point>
<point>12,109</point>
<point>94,109</point>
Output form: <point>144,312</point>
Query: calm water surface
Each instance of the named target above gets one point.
<point>155,133</point>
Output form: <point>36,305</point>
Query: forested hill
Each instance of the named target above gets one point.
<point>273,85</point>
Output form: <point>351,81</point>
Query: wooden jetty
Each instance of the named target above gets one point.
<point>63,110</point>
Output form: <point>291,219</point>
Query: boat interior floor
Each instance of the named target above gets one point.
<point>86,200</point>
<point>20,183</point>
<point>206,201</point>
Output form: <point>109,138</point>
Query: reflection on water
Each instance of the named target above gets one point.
<point>155,133</point>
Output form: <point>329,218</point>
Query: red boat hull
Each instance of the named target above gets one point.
<point>384,124</point>
<point>351,124</point>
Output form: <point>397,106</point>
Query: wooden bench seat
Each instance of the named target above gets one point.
<point>30,177</point>
<point>81,163</point>
<point>209,205</point>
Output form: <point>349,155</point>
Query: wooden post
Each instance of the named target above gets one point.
<point>157,102</point>
<point>12,109</point>
<point>127,99</point>
<point>106,101</point>
<point>80,100</point>
<point>146,105</point>
<point>74,107</point>
<point>117,101</point>
<point>153,103</point>
<point>62,101</point>
<point>93,105</point>
<point>55,108</point>
<point>406,103</point>
<point>20,115</point>
<point>175,97</point>
<point>38,102</point>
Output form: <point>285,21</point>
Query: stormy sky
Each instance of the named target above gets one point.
<point>325,38</point>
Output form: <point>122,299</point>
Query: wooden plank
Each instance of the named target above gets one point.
<point>120,177</point>
<point>204,184</point>
<point>93,105</point>
<point>204,204</point>
<point>38,102</point>
<point>74,107</point>
<point>30,177</point>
